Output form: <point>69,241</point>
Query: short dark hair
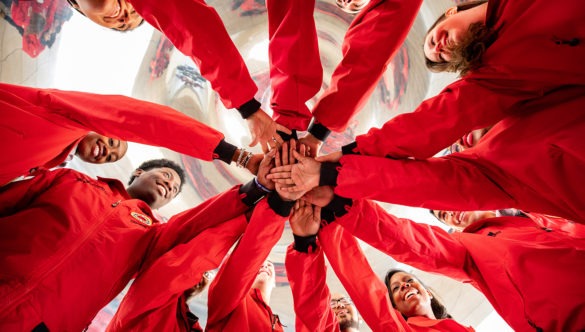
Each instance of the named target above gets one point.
<point>439,309</point>
<point>160,163</point>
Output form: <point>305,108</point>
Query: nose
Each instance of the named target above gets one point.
<point>405,285</point>
<point>124,18</point>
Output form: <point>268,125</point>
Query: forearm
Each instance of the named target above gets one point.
<point>423,246</point>
<point>197,31</point>
<point>383,26</point>
<point>307,276</point>
<point>444,183</point>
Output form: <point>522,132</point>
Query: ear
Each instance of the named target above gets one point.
<point>451,11</point>
<point>430,294</point>
<point>137,172</point>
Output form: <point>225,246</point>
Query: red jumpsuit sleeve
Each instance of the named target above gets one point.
<point>445,183</point>
<point>197,30</point>
<point>237,274</point>
<point>16,196</point>
<point>151,301</point>
<point>425,247</point>
<point>120,117</point>
<point>367,291</point>
<point>438,122</point>
<point>295,65</point>
<point>306,274</point>
<point>186,225</point>
<point>369,45</point>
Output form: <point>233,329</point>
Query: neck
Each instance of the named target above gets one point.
<point>265,292</point>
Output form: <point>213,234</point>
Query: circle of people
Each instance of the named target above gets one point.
<point>513,185</point>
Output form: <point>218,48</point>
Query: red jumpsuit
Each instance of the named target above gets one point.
<point>306,274</point>
<point>233,305</point>
<point>534,66</point>
<point>41,126</point>
<point>155,300</point>
<point>197,30</point>
<point>71,243</point>
<point>370,43</point>
<point>295,65</point>
<point>532,276</point>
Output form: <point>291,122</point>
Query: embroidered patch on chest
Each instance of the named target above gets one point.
<point>141,218</point>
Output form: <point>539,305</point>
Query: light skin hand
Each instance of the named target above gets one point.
<point>264,168</point>
<point>306,219</point>
<point>302,176</point>
<point>320,196</point>
<point>286,159</point>
<point>332,157</point>
<point>312,143</point>
<point>263,130</point>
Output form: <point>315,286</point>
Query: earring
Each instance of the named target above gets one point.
<point>451,11</point>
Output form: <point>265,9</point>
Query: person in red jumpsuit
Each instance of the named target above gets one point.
<point>508,259</point>
<point>71,243</point>
<point>157,297</point>
<point>306,271</point>
<point>40,127</point>
<point>529,86</point>
<point>197,31</point>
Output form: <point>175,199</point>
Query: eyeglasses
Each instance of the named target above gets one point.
<point>342,301</point>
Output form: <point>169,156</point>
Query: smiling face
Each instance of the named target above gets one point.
<point>98,149</point>
<point>409,296</point>
<point>265,275</point>
<point>344,311</point>
<point>450,32</point>
<point>113,14</point>
<point>351,6</point>
<point>461,219</point>
<point>157,187</point>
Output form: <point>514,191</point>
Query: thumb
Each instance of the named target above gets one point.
<point>298,156</point>
<point>317,212</point>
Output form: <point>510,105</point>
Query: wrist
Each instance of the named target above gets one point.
<point>261,186</point>
<point>329,173</point>
<point>350,148</point>
<point>303,243</point>
<point>225,151</point>
<point>250,193</point>
<point>280,206</point>
<point>249,108</point>
<point>318,130</point>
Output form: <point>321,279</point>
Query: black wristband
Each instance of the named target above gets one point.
<point>280,206</point>
<point>224,151</point>
<point>337,208</point>
<point>328,174</point>
<point>318,130</point>
<point>350,148</point>
<point>302,243</point>
<point>286,137</point>
<point>250,193</point>
<point>248,108</point>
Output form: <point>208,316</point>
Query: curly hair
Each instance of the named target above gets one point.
<point>439,309</point>
<point>160,163</point>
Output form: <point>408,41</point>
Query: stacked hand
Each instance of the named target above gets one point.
<point>300,177</point>
<point>287,158</point>
<point>263,130</point>
<point>306,219</point>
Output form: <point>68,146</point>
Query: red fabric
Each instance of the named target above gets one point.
<point>534,163</point>
<point>233,305</point>
<point>295,64</point>
<point>197,30</point>
<point>531,57</point>
<point>155,300</point>
<point>370,43</point>
<point>521,268</point>
<point>306,274</point>
<point>70,244</point>
<point>40,126</point>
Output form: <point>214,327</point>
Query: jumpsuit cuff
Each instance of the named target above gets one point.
<point>329,174</point>
<point>248,108</point>
<point>318,130</point>
<point>303,243</point>
<point>250,193</point>
<point>224,151</point>
<point>286,137</point>
<point>337,208</point>
<point>280,206</point>
<point>350,148</point>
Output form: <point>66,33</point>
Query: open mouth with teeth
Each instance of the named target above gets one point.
<point>162,190</point>
<point>410,294</point>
